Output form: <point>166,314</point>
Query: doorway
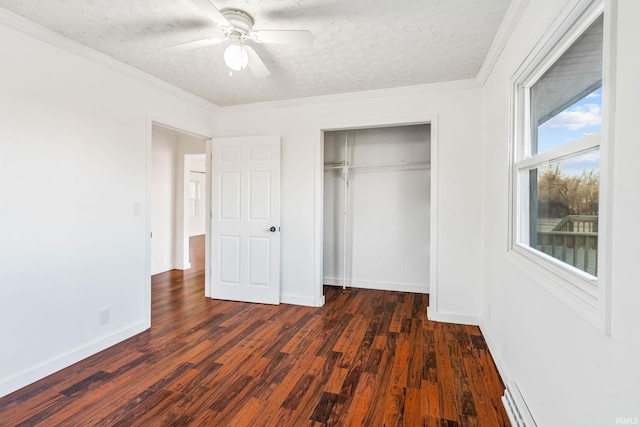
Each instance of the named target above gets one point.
<point>171,152</point>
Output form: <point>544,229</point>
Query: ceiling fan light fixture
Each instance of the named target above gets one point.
<point>236,57</point>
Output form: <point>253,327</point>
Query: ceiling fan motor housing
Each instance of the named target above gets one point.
<point>241,22</point>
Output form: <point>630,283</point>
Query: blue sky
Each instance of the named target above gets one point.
<point>582,118</point>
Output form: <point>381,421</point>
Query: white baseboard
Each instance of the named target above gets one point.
<point>463,319</point>
<point>185,266</point>
<point>298,300</point>
<point>163,269</point>
<point>495,354</point>
<point>383,286</point>
<point>516,407</point>
<point>24,378</point>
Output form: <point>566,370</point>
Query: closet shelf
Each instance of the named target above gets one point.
<point>340,165</point>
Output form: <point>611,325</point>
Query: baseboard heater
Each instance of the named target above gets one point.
<point>516,408</point>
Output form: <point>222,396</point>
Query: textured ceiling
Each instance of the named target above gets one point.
<point>359,44</point>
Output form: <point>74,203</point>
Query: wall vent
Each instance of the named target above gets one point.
<point>516,408</point>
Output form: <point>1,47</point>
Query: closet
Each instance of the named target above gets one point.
<point>377,208</point>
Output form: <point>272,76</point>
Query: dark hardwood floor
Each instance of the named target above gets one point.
<point>367,358</point>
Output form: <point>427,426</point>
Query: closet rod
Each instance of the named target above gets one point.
<point>341,165</point>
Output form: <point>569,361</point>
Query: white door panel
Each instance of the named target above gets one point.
<point>259,251</point>
<point>245,253</point>
<point>229,265</point>
<point>229,195</point>
<point>259,196</point>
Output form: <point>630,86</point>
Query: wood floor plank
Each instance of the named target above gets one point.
<point>364,395</point>
<point>416,359</point>
<point>376,411</point>
<point>401,358</point>
<point>445,375</point>
<point>352,332</point>
<point>367,358</point>
<point>306,379</point>
<point>490,377</point>
<point>484,408</point>
<point>394,410</point>
<point>34,414</point>
<point>309,398</point>
<point>187,408</point>
<point>336,380</point>
<point>244,417</point>
<point>430,399</point>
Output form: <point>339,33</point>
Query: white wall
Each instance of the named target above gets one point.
<point>570,373</point>
<point>388,209</point>
<point>455,107</point>
<point>163,199</point>
<point>73,228</point>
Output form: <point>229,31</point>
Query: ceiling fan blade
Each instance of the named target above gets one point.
<point>195,44</point>
<point>209,8</point>
<point>291,37</point>
<point>255,64</point>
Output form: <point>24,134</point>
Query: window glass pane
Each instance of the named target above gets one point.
<point>566,101</point>
<point>194,190</point>
<point>564,210</point>
<point>582,118</point>
<point>194,198</point>
<point>194,207</point>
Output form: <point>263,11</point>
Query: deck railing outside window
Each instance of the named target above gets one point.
<point>574,240</point>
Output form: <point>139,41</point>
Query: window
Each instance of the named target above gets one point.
<point>194,198</point>
<point>557,138</point>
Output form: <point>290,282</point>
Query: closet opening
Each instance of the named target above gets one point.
<point>377,208</point>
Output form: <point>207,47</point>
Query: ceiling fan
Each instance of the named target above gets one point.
<point>236,27</point>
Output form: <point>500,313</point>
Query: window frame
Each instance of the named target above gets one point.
<point>583,292</point>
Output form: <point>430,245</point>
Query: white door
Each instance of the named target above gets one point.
<point>245,223</point>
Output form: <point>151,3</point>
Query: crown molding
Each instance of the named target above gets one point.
<point>423,89</point>
<point>508,25</point>
<point>29,28</point>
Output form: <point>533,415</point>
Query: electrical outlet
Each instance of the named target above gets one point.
<point>104,316</point>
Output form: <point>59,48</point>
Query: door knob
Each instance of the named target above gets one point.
<point>272,229</point>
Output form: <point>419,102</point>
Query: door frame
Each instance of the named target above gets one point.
<point>423,119</point>
<point>188,129</point>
